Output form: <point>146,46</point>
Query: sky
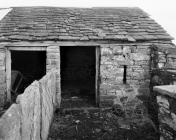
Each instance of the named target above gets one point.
<point>162,11</point>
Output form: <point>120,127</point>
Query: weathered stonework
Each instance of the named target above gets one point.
<point>31,116</point>
<point>10,124</point>
<point>137,57</point>
<point>53,61</point>
<point>48,102</point>
<point>29,102</point>
<point>113,59</point>
<point>166,99</point>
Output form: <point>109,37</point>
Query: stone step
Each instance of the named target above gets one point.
<point>81,109</point>
<point>77,103</point>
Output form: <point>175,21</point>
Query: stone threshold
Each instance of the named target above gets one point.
<point>81,109</point>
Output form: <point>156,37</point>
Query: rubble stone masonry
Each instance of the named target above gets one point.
<point>114,59</point>
<point>137,58</point>
<point>166,99</point>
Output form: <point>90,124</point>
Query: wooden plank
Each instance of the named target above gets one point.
<point>97,53</point>
<point>28,48</point>
<point>29,44</point>
<point>78,43</point>
<point>54,43</point>
<point>8,74</point>
<point>70,43</point>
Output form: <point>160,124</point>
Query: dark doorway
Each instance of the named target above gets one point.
<point>78,73</point>
<point>26,67</point>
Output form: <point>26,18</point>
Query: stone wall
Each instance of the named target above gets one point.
<point>31,116</point>
<point>113,59</point>
<point>167,65</point>
<point>137,58</point>
<point>166,99</point>
<point>167,57</point>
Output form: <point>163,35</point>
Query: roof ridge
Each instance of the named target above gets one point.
<point>116,7</point>
<point>77,7</point>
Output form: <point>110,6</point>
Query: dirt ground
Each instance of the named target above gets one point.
<point>99,124</point>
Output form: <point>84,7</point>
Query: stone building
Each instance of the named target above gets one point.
<point>98,52</point>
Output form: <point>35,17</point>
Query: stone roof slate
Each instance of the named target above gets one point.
<point>53,23</point>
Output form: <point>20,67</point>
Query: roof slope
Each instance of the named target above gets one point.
<point>53,23</point>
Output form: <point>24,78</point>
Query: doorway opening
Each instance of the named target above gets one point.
<point>78,76</point>
<point>26,66</point>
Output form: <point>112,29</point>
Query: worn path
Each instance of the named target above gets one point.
<point>96,124</point>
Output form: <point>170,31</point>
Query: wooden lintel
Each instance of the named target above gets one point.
<point>52,43</point>
<point>27,48</point>
<point>72,43</point>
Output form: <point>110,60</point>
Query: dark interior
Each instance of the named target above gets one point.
<point>30,64</point>
<point>78,72</point>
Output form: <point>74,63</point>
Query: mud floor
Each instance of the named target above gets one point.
<point>99,124</point>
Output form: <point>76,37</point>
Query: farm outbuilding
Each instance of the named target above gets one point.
<point>99,52</point>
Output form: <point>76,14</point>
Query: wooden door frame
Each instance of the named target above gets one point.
<point>97,75</point>
<point>44,48</point>
<point>9,61</point>
<point>8,75</point>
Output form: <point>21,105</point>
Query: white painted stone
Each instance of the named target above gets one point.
<point>48,92</point>
<point>106,51</point>
<point>163,102</point>
<point>10,124</point>
<point>139,56</point>
<point>160,65</point>
<point>30,115</point>
<point>126,49</point>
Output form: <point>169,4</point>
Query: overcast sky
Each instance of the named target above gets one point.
<point>163,11</point>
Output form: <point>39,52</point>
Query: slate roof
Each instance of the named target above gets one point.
<point>53,23</point>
